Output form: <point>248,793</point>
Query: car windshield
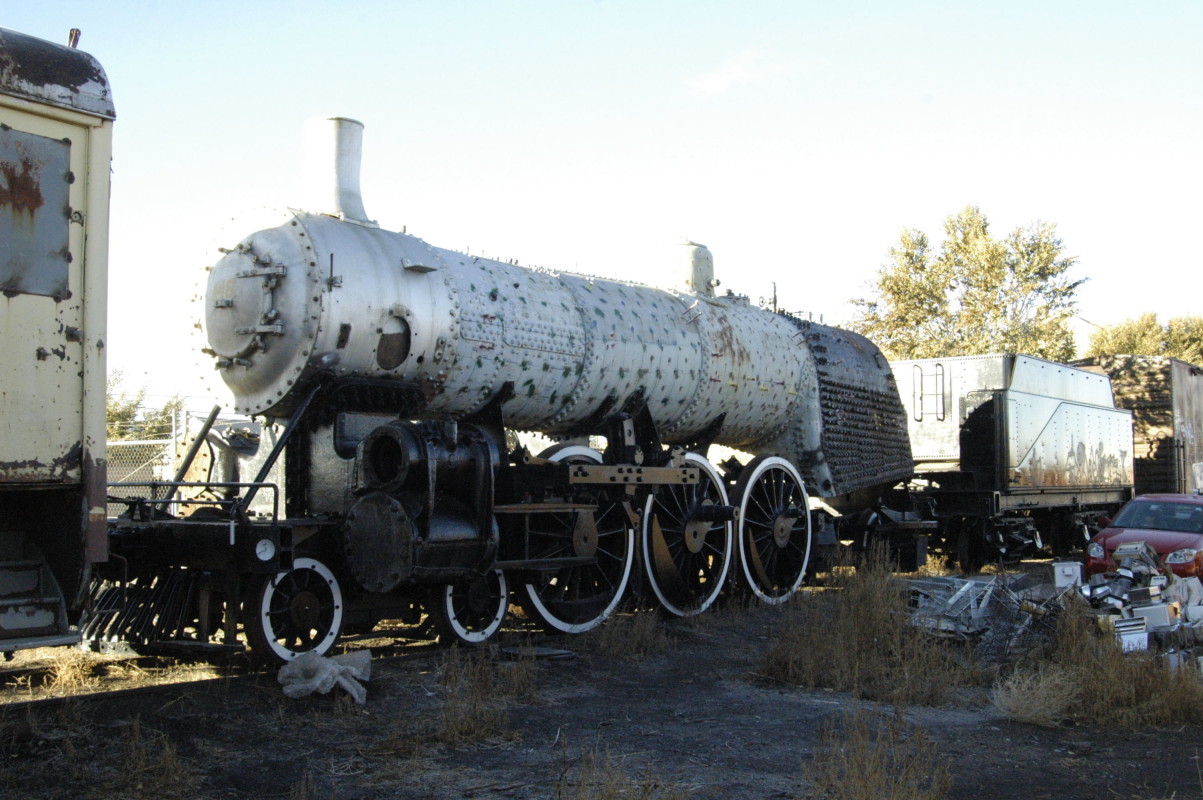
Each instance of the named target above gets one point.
<point>1185,517</point>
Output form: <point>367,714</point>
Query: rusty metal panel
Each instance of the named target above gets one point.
<point>939,394</point>
<point>34,214</point>
<point>1060,424</point>
<point>1037,376</point>
<point>1188,424</point>
<point>1053,442</point>
<point>1166,399</point>
<point>49,73</point>
<point>52,305</point>
<point>55,153</point>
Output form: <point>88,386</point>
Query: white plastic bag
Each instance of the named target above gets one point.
<point>311,673</point>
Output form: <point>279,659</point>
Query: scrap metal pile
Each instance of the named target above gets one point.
<point>1142,602</point>
<point>1145,603</point>
<point>1004,614</point>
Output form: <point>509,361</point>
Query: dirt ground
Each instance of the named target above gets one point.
<point>693,720</point>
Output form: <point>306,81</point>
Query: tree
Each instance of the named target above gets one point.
<point>1181,337</point>
<point>976,295</point>
<point>128,416</point>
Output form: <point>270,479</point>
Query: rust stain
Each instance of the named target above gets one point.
<point>21,189</point>
<point>728,343</point>
<point>95,533</point>
<point>15,467</point>
<point>56,469</point>
<point>431,387</point>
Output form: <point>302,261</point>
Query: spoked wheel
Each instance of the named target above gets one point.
<point>469,612</point>
<point>578,598</point>
<point>774,528</point>
<point>687,543</point>
<point>294,612</point>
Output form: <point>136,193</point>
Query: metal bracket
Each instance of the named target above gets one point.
<point>276,271</point>
<point>275,330</point>
<point>656,476</point>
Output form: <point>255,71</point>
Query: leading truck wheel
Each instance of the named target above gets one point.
<point>579,598</point>
<point>686,550</point>
<point>294,612</point>
<point>774,528</point>
<point>469,612</point>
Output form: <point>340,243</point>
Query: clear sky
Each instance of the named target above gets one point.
<point>795,139</point>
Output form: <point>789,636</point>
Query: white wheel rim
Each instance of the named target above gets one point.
<point>728,534</point>
<point>462,632</point>
<point>532,592</point>
<point>327,641</point>
<point>744,560</point>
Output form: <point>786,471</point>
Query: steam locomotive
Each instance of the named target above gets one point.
<point>394,369</point>
<point>391,375</point>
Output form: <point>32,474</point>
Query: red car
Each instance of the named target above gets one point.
<point>1172,524</point>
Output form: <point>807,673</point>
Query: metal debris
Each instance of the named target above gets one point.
<point>1004,614</point>
<point>1141,596</point>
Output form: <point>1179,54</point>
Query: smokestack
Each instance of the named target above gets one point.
<point>333,151</point>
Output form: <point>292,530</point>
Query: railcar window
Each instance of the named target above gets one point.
<point>35,177</point>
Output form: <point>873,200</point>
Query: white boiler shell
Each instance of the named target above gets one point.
<point>320,294</point>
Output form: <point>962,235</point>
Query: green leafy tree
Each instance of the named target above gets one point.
<point>1181,337</point>
<point>975,295</point>
<point>128,416</point>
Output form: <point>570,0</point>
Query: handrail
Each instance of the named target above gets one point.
<point>233,504</point>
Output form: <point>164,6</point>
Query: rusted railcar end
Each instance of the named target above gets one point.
<point>51,73</point>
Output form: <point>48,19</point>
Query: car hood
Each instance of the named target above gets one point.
<point>1162,541</point>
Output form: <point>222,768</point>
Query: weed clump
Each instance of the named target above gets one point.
<point>473,705</point>
<point>477,692</point>
<point>1088,679</point>
<point>1044,695</point>
<point>151,767</point>
<point>868,756</point>
<point>601,777</point>
<point>631,637</point>
<point>857,638</point>
<point>71,671</point>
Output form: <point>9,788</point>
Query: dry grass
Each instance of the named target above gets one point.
<point>1110,688</point>
<point>870,756</point>
<point>1044,695</point>
<point>601,777</point>
<point>477,691</point>
<point>856,637</point>
<point>937,567</point>
<point>631,637</point>
<point>304,789</point>
<point>151,767</point>
<point>473,705</point>
<point>71,670</point>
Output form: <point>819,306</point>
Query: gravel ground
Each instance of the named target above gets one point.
<point>693,721</point>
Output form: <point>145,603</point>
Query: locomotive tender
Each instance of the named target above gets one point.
<point>1014,451</point>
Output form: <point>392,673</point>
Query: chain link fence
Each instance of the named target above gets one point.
<point>155,457</point>
<point>138,460</point>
